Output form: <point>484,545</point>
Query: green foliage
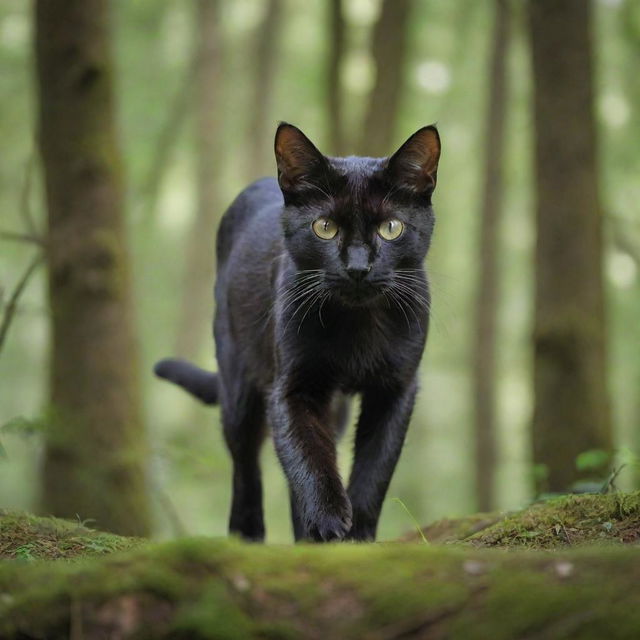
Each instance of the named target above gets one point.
<point>595,460</point>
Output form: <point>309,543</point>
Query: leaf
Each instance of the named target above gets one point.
<point>593,460</point>
<point>530,534</point>
<point>22,426</point>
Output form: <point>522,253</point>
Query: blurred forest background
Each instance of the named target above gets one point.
<point>531,376</point>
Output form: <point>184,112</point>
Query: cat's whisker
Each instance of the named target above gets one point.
<point>406,275</point>
<point>312,274</point>
<point>297,277</point>
<point>308,295</point>
<point>316,298</point>
<point>301,295</point>
<point>408,304</point>
<point>400,306</point>
<point>413,297</point>
<point>327,295</point>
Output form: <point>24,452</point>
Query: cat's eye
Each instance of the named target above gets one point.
<point>325,228</point>
<point>391,229</point>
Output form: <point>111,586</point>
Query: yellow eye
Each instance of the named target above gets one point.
<point>391,229</point>
<point>325,228</point>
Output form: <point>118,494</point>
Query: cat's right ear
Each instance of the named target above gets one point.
<point>299,162</point>
<point>415,165</point>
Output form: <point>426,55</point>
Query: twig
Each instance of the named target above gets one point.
<point>12,303</point>
<point>566,534</point>
<point>23,237</point>
<point>25,192</point>
<point>610,483</point>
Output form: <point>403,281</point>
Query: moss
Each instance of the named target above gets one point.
<point>450,530</point>
<point>202,588</point>
<point>28,538</point>
<point>224,589</point>
<point>567,521</point>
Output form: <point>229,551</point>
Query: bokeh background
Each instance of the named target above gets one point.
<point>199,91</point>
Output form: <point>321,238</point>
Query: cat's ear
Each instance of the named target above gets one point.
<point>299,162</point>
<point>414,166</point>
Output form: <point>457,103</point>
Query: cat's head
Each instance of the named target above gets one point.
<point>359,222</point>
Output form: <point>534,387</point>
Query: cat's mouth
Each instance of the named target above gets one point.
<point>357,293</point>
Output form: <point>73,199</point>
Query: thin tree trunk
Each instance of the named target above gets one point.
<point>571,409</point>
<point>95,447</point>
<point>488,284</point>
<point>389,52</point>
<point>164,149</point>
<point>266,57</point>
<point>197,300</point>
<point>334,77</point>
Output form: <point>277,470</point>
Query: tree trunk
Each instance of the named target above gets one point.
<point>487,291</point>
<point>197,299</point>
<point>259,150</point>
<point>389,52</point>
<point>334,78</point>
<point>95,447</point>
<point>571,410</point>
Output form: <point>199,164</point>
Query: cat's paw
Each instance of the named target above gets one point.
<point>332,526</point>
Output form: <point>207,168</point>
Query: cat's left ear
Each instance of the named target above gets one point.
<point>414,166</point>
<point>299,162</point>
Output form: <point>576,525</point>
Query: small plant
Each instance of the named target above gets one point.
<point>413,519</point>
<point>594,460</point>
<point>25,552</point>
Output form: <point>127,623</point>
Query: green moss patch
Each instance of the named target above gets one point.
<point>26,537</point>
<point>566,521</point>
<point>226,589</point>
<point>552,581</point>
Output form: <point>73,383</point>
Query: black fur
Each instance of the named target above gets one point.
<point>301,320</point>
<point>198,382</point>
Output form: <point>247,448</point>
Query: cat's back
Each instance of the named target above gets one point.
<point>255,210</point>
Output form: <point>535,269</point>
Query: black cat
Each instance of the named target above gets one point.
<point>320,292</point>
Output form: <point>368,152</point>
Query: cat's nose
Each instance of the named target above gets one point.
<point>357,263</point>
<point>358,273</point>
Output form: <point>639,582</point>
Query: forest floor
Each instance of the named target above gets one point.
<point>565,568</point>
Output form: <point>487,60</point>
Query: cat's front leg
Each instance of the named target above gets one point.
<point>305,445</point>
<point>380,434</point>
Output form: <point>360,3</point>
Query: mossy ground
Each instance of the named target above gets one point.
<point>26,537</point>
<point>202,588</point>
<point>566,521</point>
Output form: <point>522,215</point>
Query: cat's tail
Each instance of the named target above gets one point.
<point>198,382</point>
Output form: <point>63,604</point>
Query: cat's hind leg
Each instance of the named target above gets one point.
<point>243,418</point>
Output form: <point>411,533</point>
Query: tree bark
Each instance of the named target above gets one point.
<point>571,408</point>
<point>95,446</point>
<point>197,299</point>
<point>334,78</point>
<point>489,247</point>
<point>259,150</point>
<point>389,47</point>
